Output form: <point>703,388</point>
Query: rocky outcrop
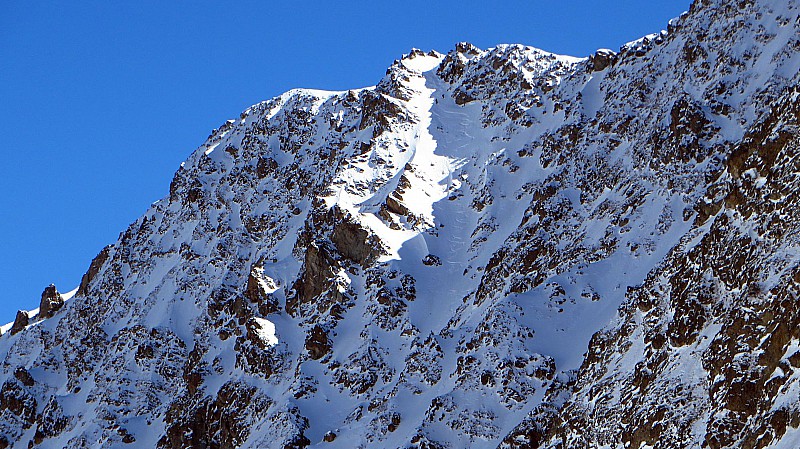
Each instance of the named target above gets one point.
<point>317,343</point>
<point>94,269</point>
<point>356,243</point>
<point>320,268</point>
<point>602,59</point>
<point>20,322</point>
<point>51,302</point>
<point>24,377</point>
<point>216,422</point>
<point>259,291</point>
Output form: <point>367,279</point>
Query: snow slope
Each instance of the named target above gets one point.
<point>489,248</point>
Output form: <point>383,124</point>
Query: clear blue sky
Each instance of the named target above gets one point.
<point>101,101</point>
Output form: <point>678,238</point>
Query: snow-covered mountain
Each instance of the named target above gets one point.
<point>490,248</point>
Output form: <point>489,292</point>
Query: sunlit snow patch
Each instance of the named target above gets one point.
<point>266,331</point>
<point>267,284</point>
<point>422,62</point>
<point>68,295</point>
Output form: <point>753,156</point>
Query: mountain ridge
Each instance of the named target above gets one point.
<point>500,248</point>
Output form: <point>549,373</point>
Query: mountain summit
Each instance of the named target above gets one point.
<point>500,248</point>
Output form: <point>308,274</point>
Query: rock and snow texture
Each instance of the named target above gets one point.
<point>501,248</point>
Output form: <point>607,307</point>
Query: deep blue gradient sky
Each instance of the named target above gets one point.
<point>101,101</point>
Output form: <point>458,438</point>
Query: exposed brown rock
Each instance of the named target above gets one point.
<point>266,167</point>
<point>467,49</point>
<point>256,294</point>
<point>193,372</point>
<point>378,110</point>
<point>319,270</point>
<point>688,320</point>
<point>214,423</point>
<point>20,321</point>
<point>317,343</point>
<point>94,268</point>
<point>432,260</point>
<point>602,59</point>
<point>18,401</point>
<point>355,243</point>
<point>51,302</point>
<point>24,376</point>
<point>144,351</point>
<point>127,438</point>
<point>396,206</point>
<point>394,422</point>
<point>298,442</point>
<point>687,118</point>
<point>51,423</point>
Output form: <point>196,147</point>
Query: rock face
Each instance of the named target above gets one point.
<point>602,59</point>
<point>51,302</point>
<point>20,322</point>
<point>94,268</point>
<point>490,248</point>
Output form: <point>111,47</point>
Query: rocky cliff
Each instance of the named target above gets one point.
<point>490,248</point>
